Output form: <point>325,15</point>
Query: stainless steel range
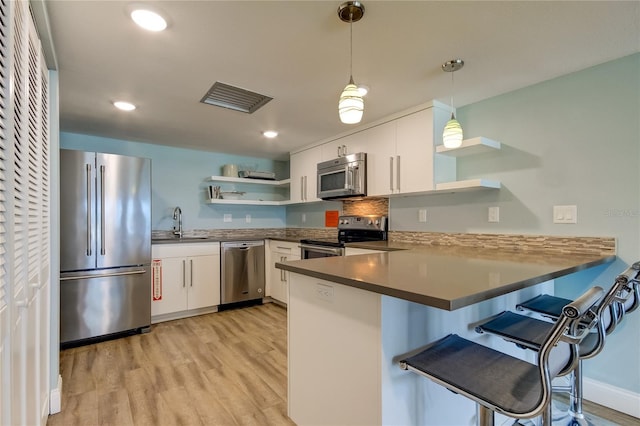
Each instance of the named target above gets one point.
<point>351,229</point>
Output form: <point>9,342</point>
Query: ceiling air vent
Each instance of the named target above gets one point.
<point>226,96</point>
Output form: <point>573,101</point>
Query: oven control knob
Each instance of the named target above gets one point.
<point>377,222</point>
<point>370,222</point>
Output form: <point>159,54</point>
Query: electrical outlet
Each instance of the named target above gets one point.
<point>565,214</point>
<point>226,217</point>
<point>324,292</point>
<point>494,214</point>
<point>304,217</point>
<point>247,218</point>
<point>422,215</point>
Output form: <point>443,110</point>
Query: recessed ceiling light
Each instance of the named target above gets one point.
<point>270,134</point>
<point>148,19</point>
<point>124,106</point>
<point>363,90</point>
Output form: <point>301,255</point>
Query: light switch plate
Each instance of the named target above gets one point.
<point>422,215</point>
<point>226,217</point>
<point>247,218</point>
<point>565,214</point>
<point>494,214</point>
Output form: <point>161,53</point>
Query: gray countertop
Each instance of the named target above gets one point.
<point>189,240</point>
<point>442,277</point>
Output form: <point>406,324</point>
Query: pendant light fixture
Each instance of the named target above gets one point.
<point>351,104</point>
<point>452,135</point>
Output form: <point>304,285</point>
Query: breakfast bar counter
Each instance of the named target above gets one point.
<point>443,277</point>
<point>351,318</point>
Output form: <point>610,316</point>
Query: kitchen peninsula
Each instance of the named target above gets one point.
<point>351,318</point>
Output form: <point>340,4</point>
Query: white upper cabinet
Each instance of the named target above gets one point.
<point>381,151</point>
<point>304,175</point>
<point>400,156</point>
<point>351,144</point>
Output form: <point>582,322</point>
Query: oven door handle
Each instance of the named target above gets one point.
<point>337,251</point>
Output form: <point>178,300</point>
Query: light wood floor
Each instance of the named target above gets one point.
<point>227,368</point>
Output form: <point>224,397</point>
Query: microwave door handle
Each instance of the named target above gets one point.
<point>356,179</point>
<point>348,177</point>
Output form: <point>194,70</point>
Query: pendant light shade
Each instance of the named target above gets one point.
<point>351,104</point>
<point>452,135</point>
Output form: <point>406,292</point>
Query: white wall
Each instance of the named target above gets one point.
<point>571,140</point>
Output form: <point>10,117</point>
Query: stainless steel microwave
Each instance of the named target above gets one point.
<point>343,177</point>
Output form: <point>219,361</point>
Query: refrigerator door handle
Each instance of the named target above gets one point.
<point>102,221</point>
<point>113,274</point>
<point>88,167</point>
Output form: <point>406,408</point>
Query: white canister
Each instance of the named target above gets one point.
<point>230,170</point>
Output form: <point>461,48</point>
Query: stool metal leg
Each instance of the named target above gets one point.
<point>484,415</point>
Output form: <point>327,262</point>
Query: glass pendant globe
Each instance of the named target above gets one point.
<point>350,105</point>
<point>452,135</point>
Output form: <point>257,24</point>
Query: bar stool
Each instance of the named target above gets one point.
<point>498,382</point>
<point>529,333</point>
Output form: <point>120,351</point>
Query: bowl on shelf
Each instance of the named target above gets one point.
<point>231,195</point>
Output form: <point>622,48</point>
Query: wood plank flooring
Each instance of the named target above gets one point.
<point>227,368</point>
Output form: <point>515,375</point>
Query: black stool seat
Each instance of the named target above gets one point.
<point>519,329</point>
<point>528,332</point>
<point>545,304</point>
<point>506,383</point>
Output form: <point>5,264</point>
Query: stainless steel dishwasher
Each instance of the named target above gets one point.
<point>242,271</point>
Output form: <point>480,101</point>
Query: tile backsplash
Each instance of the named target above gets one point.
<point>374,206</point>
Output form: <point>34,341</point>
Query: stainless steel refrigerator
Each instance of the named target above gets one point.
<point>105,244</point>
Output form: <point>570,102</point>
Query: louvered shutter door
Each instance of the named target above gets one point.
<point>45,183</point>
<point>33,164</point>
<point>20,156</point>
<point>5,334</point>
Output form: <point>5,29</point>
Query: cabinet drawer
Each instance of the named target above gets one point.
<point>184,249</point>
<point>285,247</point>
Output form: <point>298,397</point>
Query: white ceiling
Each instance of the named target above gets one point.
<point>298,53</point>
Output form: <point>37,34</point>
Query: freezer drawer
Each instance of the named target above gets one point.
<point>104,302</point>
<point>242,271</point>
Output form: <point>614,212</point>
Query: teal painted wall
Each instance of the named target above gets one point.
<point>571,140</point>
<point>178,179</point>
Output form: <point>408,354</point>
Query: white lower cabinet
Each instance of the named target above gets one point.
<point>277,279</point>
<point>185,280</point>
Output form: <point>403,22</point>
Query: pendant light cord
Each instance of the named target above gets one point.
<point>351,47</point>
<point>452,105</point>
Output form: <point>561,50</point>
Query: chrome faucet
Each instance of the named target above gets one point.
<point>177,215</point>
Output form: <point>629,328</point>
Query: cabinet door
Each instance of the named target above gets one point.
<point>285,275</point>
<point>304,175</point>
<point>204,281</point>
<point>277,276</point>
<point>381,151</point>
<point>173,273</point>
<point>351,144</point>
<point>414,152</point>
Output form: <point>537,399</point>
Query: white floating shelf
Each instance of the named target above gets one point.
<point>248,202</point>
<point>284,182</point>
<point>467,185</point>
<point>473,146</point>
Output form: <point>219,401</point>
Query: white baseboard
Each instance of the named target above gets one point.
<point>613,397</point>
<point>55,398</point>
